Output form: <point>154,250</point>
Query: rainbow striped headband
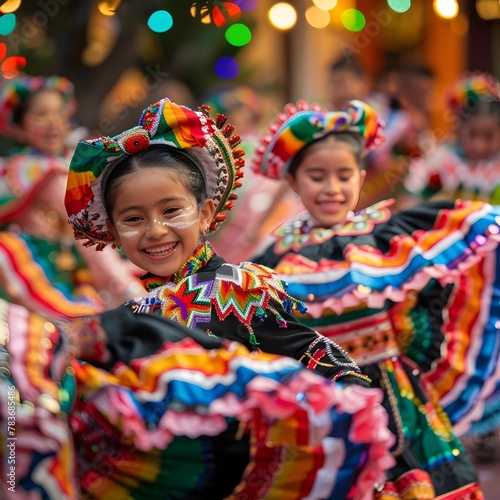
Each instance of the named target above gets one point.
<point>301,124</point>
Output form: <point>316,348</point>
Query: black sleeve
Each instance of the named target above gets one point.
<point>131,335</point>
<point>278,332</point>
<point>267,258</point>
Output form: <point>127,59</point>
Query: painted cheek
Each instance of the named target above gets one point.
<point>125,232</point>
<point>128,234</point>
<point>180,224</point>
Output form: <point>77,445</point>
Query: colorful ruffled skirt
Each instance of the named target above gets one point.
<point>185,422</point>
<point>414,298</point>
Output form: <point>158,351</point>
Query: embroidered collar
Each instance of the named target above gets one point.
<point>295,235</point>
<point>203,253</point>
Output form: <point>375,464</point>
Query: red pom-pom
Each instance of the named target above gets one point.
<point>135,144</point>
<point>234,140</point>
<point>228,130</point>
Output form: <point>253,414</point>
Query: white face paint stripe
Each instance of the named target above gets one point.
<point>171,223</point>
<point>125,232</point>
<point>181,225</point>
<point>128,234</point>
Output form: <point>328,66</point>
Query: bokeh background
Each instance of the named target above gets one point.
<point>124,54</point>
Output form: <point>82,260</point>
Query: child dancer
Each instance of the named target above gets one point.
<point>40,265</point>
<point>468,166</point>
<point>366,280</point>
<point>159,413</point>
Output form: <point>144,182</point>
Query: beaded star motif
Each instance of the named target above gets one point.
<point>243,291</point>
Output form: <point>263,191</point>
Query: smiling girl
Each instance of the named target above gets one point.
<point>367,281</point>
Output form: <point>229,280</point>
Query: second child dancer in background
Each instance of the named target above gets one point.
<point>377,284</point>
<point>466,166</point>
<point>41,267</point>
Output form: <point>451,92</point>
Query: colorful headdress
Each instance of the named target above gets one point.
<point>301,124</point>
<point>472,89</point>
<point>19,89</point>
<point>210,143</point>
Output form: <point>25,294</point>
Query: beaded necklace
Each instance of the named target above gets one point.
<point>202,254</point>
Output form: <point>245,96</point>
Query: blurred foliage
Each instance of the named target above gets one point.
<point>54,34</point>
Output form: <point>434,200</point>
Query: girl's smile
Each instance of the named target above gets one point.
<point>161,251</point>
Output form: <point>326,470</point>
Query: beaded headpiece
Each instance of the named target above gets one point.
<point>472,89</point>
<point>301,124</point>
<point>210,143</point>
<point>19,89</point>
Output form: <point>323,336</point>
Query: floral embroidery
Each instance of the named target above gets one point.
<point>295,235</point>
<point>134,140</point>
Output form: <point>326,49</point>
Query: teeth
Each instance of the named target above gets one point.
<point>159,251</point>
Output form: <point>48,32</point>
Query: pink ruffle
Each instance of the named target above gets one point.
<point>369,426</point>
<point>275,401</point>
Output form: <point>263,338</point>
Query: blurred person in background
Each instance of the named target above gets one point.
<point>386,165</point>
<point>467,164</point>
<point>262,204</point>
<point>41,267</point>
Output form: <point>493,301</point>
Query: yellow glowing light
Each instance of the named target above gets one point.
<point>317,18</point>
<point>10,6</point>
<point>325,4</point>
<point>282,16</point>
<point>204,14</point>
<point>488,9</point>
<point>108,7</point>
<point>448,9</point>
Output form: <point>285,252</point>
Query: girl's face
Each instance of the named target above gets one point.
<point>479,137</point>
<point>157,221</point>
<point>45,124</point>
<point>329,181</point>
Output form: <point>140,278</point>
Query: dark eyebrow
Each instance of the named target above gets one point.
<point>321,169</point>
<point>161,202</point>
